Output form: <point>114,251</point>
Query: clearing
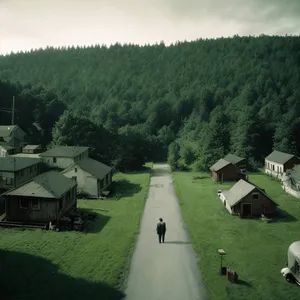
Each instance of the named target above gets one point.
<point>256,250</point>
<point>38,264</point>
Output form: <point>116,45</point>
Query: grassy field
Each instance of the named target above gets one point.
<point>36,264</point>
<point>256,250</point>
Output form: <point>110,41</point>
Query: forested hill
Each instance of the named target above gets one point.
<point>198,100</point>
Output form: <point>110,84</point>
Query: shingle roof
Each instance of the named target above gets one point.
<point>64,151</point>
<point>240,190</point>
<point>5,130</point>
<point>32,147</point>
<point>6,146</point>
<point>234,159</point>
<point>279,157</point>
<point>93,167</point>
<point>7,163</point>
<point>220,164</point>
<point>47,185</point>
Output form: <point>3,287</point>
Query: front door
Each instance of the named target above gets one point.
<point>247,210</point>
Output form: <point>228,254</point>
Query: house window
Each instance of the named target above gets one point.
<point>74,178</point>
<point>35,204</point>
<point>24,203</point>
<point>273,167</point>
<point>75,170</point>
<point>8,181</point>
<point>54,160</point>
<point>255,196</point>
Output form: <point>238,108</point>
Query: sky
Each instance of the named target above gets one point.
<point>31,24</point>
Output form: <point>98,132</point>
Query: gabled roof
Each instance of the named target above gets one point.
<point>240,190</point>
<point>91,166</point>
<point>220,164</point>
<point>64,151</point>
<point>279,157</point>
<point>47,185</point>
<point>13,163</point>
<point>234,159</point>
<point>5,130</point>
<point>6,146</point>
<point>32,147</point>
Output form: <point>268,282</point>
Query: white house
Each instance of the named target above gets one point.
<point>277,163</point>
<point>6,149</point>
<point>92,176</point>
<point>64,156</point>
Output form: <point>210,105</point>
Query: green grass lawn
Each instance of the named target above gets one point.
<point>256,250</point>
<point>36,264</point>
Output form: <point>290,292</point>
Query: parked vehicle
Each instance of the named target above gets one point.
<point>292,270</point>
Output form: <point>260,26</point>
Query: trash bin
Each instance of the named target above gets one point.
<point>223,271</point>
<point>232,276</point>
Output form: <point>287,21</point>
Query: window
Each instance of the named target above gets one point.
<point>35,204</point>
<point>24,203</point>
<point>74,178</point>
<point>54,160</point>
<point>75,170</point>
<point>273,167</point>
<point>255,196</point>
<point>61,204</point>
<point>8,181</point>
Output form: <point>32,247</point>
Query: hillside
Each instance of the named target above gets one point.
<point>195,100</point>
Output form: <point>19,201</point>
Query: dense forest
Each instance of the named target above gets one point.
<point>191,102</point>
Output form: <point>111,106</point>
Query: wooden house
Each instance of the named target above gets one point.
<point>64,156</point>
<point>247,199</point>
<point>277,163</point>
<point>46,198</point>
<point>224,170</point>
<point>239,162</point>
<point>6,149</point>
<point>17,170</point>
<point>13,135</point>
<point>92,176</point>
<point>32,149</point>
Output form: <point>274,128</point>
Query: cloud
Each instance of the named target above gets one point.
<point>26,24</point>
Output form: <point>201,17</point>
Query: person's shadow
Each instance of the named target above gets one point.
<point>28,277</point>
<point>178,242</point>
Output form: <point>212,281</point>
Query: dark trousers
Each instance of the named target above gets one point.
<point>161,237</point>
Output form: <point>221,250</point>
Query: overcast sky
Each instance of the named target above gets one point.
<point>28,24</point>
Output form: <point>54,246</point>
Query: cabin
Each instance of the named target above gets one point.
<point>239,162</point>
<point>6,149</point>
<point>92,176</point>
<point>277,163</point>
<point>64,156</point>
<point>46,198</point>
<point>247,199</point>
<point>13,135</point>
<point>16,170</point>
<point>32,149</point>
<point>224,170</point>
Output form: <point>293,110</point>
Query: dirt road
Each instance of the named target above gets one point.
<point>163,271</point>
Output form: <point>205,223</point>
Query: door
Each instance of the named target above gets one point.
<point>247,209</point>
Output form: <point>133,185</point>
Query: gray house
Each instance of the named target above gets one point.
<point>64,156</point>
<point>92,176</point>
<point>13,135</point>
<point>17,170</point>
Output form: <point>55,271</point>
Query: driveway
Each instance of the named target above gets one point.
<point>163,271</point>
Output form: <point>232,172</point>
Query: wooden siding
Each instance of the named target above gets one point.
<point>50,209</point>
<point>230,173</point>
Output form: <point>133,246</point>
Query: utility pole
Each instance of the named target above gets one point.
<point>13,112</point>
<point>13,123</point>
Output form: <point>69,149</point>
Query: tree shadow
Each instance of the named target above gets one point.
<point>25,276</point>
<point>124,188</point>
<point>94,221</point>
<point>178,242</point>
<point>142,170</point>
<point>244,283</point>
<point>159,172</point>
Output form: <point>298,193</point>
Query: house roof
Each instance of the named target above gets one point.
<point>32,147</point>
<point>5,130</point>
<point>91,166</point>
<point>13,163</point>
<point>240,190</point>
<point>47,185</point>
<point>234,159</point>
<point>220,164</point>
<point>279,157</point>
<point>6,146</point>
<point>64,151</point>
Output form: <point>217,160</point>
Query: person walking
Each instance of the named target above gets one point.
<point>161,229</point>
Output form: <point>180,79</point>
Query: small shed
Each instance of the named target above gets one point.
<point>247,199</point>
<point>45,198</point>
<point>32,149</point>
<point>224,170</point>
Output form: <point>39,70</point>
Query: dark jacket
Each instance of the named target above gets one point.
<point>161,228</point>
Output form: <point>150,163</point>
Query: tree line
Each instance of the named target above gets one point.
<point>190,103</point>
